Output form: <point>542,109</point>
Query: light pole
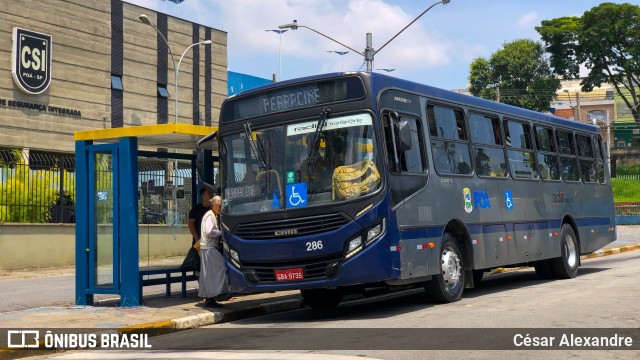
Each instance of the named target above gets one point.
<point>369,52</point>
<point>342,54</point>
<point>279,32</point>
<point>176,69</point>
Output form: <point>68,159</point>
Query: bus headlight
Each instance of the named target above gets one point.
<point>354,246</point>
<point>234,257</point>
<point>231,254</point>
<point>375,232</point>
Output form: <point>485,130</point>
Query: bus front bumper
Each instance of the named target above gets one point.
<point>373,264</point>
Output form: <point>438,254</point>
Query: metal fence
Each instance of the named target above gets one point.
<point>626,194</point>
<point>36,187</point>
<point>39,187</point>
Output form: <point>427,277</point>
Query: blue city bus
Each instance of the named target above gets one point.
<point>339,183</point>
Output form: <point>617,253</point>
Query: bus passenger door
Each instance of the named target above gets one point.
<point>407,176</point>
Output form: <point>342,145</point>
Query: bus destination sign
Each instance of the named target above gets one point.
<point>294,97</point>
<point>290,100</point>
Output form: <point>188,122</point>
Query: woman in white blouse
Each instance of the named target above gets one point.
<point>213,276</point>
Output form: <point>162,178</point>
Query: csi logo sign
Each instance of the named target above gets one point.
<point>31,60</point>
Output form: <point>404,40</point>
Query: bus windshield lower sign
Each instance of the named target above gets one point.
<point>289,274</point>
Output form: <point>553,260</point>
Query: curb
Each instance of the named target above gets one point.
<point>184,323</point>
<point>210,318</point>
<point>606,252</point>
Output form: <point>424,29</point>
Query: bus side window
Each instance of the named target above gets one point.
<point>548,165</point>
<point>449,141</point>
<point>522,162</point>
<point>488,154</point>
<point>597,140</point>
<point>568,161</point>
<point>588,164</point>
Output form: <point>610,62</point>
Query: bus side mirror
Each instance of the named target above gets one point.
<point>405,135</point>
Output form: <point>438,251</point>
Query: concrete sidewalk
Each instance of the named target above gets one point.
<point>170,313</point>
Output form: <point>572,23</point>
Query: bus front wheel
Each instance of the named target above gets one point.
<point>321,299</point>
<point>448,285</point>
<point>566,266</point>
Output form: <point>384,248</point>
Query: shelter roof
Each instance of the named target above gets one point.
<point>179,136</point>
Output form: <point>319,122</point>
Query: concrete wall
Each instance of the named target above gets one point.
<point>81,71</point>
<point>52,245</point>
<point>626,157</point>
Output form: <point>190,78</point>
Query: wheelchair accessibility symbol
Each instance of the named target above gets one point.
<point>508,200</point>
<point>296,195</point>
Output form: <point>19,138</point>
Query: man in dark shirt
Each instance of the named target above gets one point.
<point>196,214</point>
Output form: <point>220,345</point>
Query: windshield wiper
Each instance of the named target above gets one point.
<point>316,134</point>
<point>254,148</point>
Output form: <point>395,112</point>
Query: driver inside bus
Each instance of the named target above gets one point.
<point>313,168</point>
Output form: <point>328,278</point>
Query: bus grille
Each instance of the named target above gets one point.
<point>286,228</point>
<point>313,268</point>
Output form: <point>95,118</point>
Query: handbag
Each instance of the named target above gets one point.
<point>191,261</point>
<point>351,181</point>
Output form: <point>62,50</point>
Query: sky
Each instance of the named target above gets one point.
<point>436,50</point>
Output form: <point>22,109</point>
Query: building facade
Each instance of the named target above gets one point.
<point>71,65</point>
<point>597,105</point>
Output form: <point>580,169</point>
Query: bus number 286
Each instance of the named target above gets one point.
<point>314,245</point>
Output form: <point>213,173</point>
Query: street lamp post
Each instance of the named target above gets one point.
<point>279,32</point>
<point>176,68</point>
<point>342,54</point>
<point>369,53</point>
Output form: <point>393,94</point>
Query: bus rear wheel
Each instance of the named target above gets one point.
<point>448,285</point>
<point>321,299</point>
<point>566,266</point>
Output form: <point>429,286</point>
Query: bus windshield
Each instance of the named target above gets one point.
<point>273,169</point>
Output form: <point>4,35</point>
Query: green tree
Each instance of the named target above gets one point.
<point>519,74</point>
<point>605,39</point>
<point>27,195</point>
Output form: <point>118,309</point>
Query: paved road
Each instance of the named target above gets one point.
<point>604,295</point>
<point>57,286</point>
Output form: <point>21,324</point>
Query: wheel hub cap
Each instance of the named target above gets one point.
<point>570,250</point>
<point>451,269</point>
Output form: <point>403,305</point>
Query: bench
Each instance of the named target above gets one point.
<point>183,277</point>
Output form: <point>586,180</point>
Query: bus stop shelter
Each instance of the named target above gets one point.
<point>108,190</point>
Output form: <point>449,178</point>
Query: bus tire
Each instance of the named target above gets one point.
<point>566,266</point>
<point>321,299</point>
<point>448,285</point>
